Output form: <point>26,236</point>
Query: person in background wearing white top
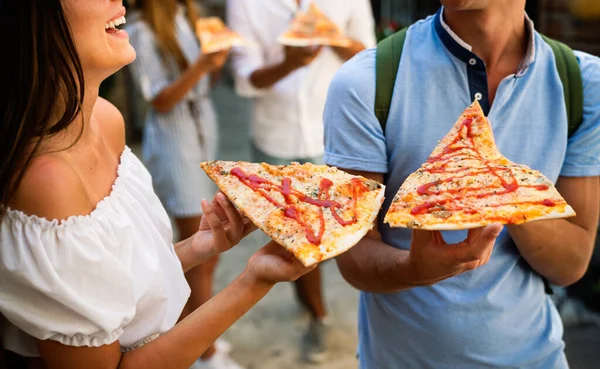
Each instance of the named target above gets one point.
<point>289,88</point>
<point>89,276</point>
<point>180,129</point>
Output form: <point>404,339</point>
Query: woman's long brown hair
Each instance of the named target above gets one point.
<point>41,91</point>
<point>160,16</point>
<point>41,84</point>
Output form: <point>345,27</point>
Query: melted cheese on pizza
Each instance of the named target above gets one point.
<point>214,35</point>
<point>316,212</point>
<point>314,26</point>
<point>467,183</point>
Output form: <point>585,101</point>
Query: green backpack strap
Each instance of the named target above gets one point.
<point>570,76</point>
<point>389,51</point>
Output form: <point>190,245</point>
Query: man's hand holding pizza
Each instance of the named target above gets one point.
<point>347,52</point>
<point>298,57</point>
<point>374,266</point>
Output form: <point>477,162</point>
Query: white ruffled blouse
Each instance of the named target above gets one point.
<point>91,280</point>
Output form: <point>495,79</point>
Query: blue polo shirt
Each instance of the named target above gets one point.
<point>497,316</point>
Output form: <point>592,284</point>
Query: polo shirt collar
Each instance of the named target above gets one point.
<point>463,50</point>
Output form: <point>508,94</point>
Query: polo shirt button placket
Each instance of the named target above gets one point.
<point>478,96</point>
<point>472,61</point>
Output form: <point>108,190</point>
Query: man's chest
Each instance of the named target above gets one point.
<point>528,120</point>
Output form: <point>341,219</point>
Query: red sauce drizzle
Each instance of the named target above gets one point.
<point>466,151</point>
<point>292,197</point>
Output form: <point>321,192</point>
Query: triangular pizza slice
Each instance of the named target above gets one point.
<point>312,27</point>
<point>467,183</point>
<point>215,36</point>
<point>314,211</point>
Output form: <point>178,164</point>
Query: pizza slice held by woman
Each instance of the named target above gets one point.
<point>314,211</point>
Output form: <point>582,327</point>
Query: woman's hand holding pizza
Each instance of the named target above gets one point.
<point>214,61</point>
<point>431,259</point>
<point>273,264</point>
<point>222,227</point>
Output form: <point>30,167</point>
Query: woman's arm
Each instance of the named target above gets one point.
<point>176,91</point>
<point>182,345</point>
<point>222,227</point>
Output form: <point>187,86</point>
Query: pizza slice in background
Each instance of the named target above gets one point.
<point>215,36</point>
<point>312,28</point>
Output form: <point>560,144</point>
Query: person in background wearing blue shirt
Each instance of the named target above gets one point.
<point>428,304</point>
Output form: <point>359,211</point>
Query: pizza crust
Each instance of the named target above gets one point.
<point>569,212</point>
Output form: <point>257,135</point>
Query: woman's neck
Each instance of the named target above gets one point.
<point>80,129</point>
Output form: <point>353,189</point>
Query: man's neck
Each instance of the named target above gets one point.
<point>495,33</point>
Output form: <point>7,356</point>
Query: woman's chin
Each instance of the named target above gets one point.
<point>105,70</point>
<point>123,57</point>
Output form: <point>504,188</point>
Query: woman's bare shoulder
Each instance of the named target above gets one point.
<point>51,189</point>
<point>112,124</point>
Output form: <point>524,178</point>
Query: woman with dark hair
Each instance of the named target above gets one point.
<point>89,276</point>
<point>180,128</point>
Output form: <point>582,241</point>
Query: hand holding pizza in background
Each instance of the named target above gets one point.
<point>215,61</point>
<point>298,57</point>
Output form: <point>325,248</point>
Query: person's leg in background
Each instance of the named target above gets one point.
<point>200,278</point>
<point>308,287</point>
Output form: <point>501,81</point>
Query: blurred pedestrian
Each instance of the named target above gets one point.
<point>288,86</point>
<point>180,129</point>
<point>445,300</point>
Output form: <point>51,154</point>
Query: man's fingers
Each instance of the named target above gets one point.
<point>478,243</point>
<point>420,237</point>
<point>486,256</point>
<point>214,223</point>
<point>490,233</point>
<point>473,234</point>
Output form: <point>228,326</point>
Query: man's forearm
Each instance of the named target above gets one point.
<point>268,76</point>
<point>557,249</point>
<point>373,266</point>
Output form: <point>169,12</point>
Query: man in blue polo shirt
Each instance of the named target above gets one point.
<point>494,315</point>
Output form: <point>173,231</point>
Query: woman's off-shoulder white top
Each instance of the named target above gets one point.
<point>95,279</point>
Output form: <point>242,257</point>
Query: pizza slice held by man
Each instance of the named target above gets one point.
<point>311,28</point>
<point>314,211</point>
<point>467,183</point>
